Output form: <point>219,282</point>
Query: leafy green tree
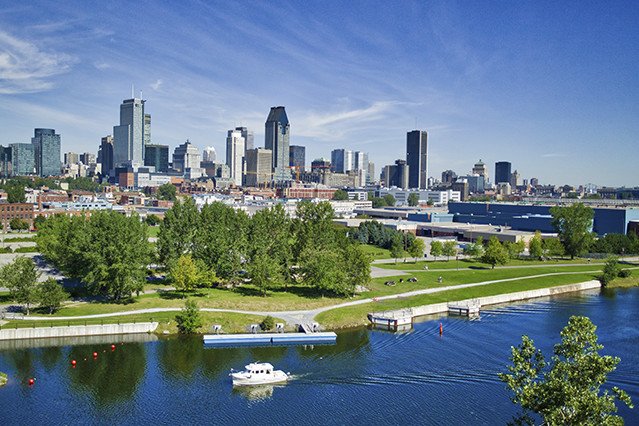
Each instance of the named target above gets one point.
<point>313,227</point>
<point>357,265</point>
<point>177,231</point>
<point>167,192</point>
<point>64,241</point>
<point>495,253</point>
<point>416,248</point>
<point>413,199</point>
<point>566,391</point>
<point>436,248</point>
<point>449,249</point>
<point>535,248</point>
<point>573,224</point>
<point>51,294</point>
<point>270,248</point>
<point>267,323</point>
<point>21,278</point>
<point>17,224</point>
<point>38,221</point>
<point>378,202</point>
<point>611,270</point>
<point>553,247</point>
<point>264,272</point>
<point>397,247</point>
<point>340,195</point>
<point>189,319</point>
<point>15,193</point>
<point>430,202</point>
<point>515,249</point>
<point>323,270</point>
<point>184,273</point>
<point>152,220</point>
<point>389,200</point>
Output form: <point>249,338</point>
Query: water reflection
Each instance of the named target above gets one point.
<point>180,356</point>
<point>113,376</point>
<point>254,393</point>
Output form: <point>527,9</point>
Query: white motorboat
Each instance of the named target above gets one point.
<point>258,373</point>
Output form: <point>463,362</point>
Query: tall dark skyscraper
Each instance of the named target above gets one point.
<point>277,140</point>
<point>157,156</point>
<point>106,155</point>
<point>417,158</point>
<point>46,147</point>
<point>502,172</point>
<point>297,157</point>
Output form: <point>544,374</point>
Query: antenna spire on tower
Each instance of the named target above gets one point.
<point>132,91</point>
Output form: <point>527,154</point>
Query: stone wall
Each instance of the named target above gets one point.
<point>76,330</point>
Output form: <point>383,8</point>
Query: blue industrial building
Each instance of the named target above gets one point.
<point>533,218</point>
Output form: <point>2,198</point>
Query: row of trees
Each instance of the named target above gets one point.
<point>107,251</point>
<point>399,243</point>
<point>21,278</point>
<point>221,244</point>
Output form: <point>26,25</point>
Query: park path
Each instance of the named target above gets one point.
<point>304,316</point>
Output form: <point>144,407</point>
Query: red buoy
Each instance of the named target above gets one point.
<point>73,363</point>
<point>95,354</point>
<point>441,329</point>
<point>31,382</point>
<point>112,347</point>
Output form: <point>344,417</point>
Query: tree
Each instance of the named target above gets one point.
<point>167,192</point>
<point>436,248</point>
<point>495,253</point>
<point>177,231</point>
<point>324,270</point>
<point>51,294</point>
<point>152,220</point>
<point>264,273</point>
<point>21,278</point>
<point>378,202</point>
<point>15,193</point>
<point>553,247</point>
<point>567,390</point>
<point>357,265</point>
<point>611,270</point>
<point>189,319</point>
<point>416,248</point>
<point>573,225</point>
<point>413,199</point>
<point>515,249</point>
<point>17,224</point>
<point>340,195</point>
<point>535,248</point>
<point>397,247</point>
<point>449,249</point>
<point>184,273</point>
<point>389,200</point>
<point>38,221</point>
<point>430,202</point>
<point>267,323</point>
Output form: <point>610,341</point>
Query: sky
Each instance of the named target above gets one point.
<point>552,87</point>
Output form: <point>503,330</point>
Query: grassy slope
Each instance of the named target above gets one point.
<point>466,263</point>
<point>376,252</point>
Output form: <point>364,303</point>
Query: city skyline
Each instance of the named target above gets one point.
<point>549,88</point>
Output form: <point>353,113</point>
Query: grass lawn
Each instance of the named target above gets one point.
<point>20,239</point>
<point>356,315</point>
<point>230,322</point>
<point>153,231</point>
<point>376,252</point>
<point>468,263</point>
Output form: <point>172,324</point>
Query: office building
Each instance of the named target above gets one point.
<point>248,138</point>
<point>370,177</point>
<point>105,155</point>
<point>514,179</point>
<point>46,149</point>
<point>397,175</point>
<point>71,158</point>
<point>448,176</point>
<point>277,128</point>
<point>258,167</point>
<point>341,160</point>
<point>297,158</point>
<point>235,155</point>
<point>157,156</point>
<point>186,156</point>
<point>319,165</point>
<point>128,137</point>
<point>22,159</point>
<point>147,129</point>
<point>209,155</point>
<point>479,169</point>
<point>5,161</point>
<point>87,158</point>
<point>502,172</point>
<point>417,158</point>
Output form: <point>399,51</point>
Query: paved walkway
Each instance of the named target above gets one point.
<point>304,316</point>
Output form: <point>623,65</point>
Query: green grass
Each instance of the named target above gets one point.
<point>153,231</point>
<point>32,249</point>
<point>376,252</point>
<point>20,239</point>
<point>467,263</point>
<point>356,315</point>
<point>230,322</point>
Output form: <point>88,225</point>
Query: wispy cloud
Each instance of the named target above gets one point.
<point>156,86</point>
<point>101,65</point>
<point>553,155</point>
<point>24,68</point>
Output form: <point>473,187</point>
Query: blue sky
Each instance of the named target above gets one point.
<point>552,87</point>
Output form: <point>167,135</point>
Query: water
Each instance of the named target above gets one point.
<point>369,377</point>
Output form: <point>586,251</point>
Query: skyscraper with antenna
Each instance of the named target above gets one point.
<point>128,137</point>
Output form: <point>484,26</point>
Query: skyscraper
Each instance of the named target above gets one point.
<point>5,161</point>
<point>209,155</point>
<point>128,141</point>
<point>277,140</point>
<point>22,159</point>
<point>341,160</point>
<point>248,137</point>
<point>480,169</point>
<point>157,156</point>
<point>360,164</point>
<point>235,155</point>
<point>397,174</point>
<point>147,129</point>
<point>71,158</point>
<point>87,158</point>
<point>258,167</point>
<point>106,155</point>
<point>297,158</point>
<point>46,148</point>
<point>417,158</point>
<point>186,156</point>
<point>502,172</point>
<point>370,178</point>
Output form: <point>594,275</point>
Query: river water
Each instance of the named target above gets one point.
<point>368,377</point>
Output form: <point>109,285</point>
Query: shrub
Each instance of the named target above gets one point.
<point>624,273</point>
<point>267,323</point>
<point>189,319</point>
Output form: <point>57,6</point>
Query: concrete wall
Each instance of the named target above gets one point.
<point>76,330</point>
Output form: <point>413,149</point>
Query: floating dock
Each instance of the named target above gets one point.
<point>270,339</point>
<point>469,308</point>
<point>392,320</point>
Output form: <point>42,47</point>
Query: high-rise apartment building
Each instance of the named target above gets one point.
<point>341,160</point>
<point>276,139</point>
<point>297,158</point>
<point>235,155</point>
<point>46,148</point>
<point>417,158</point>
<point>71,158</point>
<point>147,129</point>
<point>186,156</point>
<point>209,155</point>
<point>105,155</point>
<point>258,167</point>
<point>502,172</point>
<point>23,159</point>
<point>157,156</point>
<point>128,137</point>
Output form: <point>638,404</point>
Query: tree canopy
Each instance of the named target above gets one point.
<point>21,278</point>
<point>413,199</point>
<point>340,195</point>
<point>567,390</point>
<point>495,253</point>
<point>573,224</point>
<point>167,192</point>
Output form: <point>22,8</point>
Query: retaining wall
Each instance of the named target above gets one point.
<point>76,330</point>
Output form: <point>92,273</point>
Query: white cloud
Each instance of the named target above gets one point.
<point>101,65</point>
<point>553,155</point>
<point>24,68</point>
<point>156,86</point>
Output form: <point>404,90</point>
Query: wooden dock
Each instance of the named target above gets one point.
<point>270,339</point>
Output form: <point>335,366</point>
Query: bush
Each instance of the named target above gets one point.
<point>6,250</point>
<point>189,319</point>
<point>32,249</point>
<point>267,323</point>
<point>624,273</point>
